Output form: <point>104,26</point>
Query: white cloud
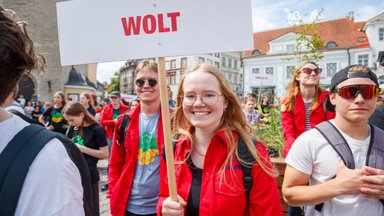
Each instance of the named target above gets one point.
<point>366,12</point>
<point>106,70</point>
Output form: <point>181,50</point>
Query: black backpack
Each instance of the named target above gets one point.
<point>375,156</point>
<point>19,154</point>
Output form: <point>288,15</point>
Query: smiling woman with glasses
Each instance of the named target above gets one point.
<point>211,124</point>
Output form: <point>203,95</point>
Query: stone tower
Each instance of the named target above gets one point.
<point>42,28</point>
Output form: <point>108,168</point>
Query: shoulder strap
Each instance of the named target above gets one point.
<point>123,128</point>
<point>245,155</point>
<point>16,159</point>
<point>338,143</point>
<point>25,118</point>
<point>78,159</point>
<point>375,157</point>
<point>174,141</point>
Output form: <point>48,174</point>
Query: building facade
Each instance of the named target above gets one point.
<point>42,28</point>
<point>267,70</point>
<point>228,63</point>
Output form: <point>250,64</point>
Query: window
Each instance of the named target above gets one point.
<point>201,60</point>
<point>289,71</point>
<point>363,59</point>
<point>236,79</point>
<point>269,70</point>
<point>230,63</point>
<point>172,78</point>
<point>183,63</point>
<point>166,65</point>
<point>256,52</point>
<point>381,34</point>
<point>290,48</point>
<point>331,44</point>
<point>235,64</point>
<point>230,78</point>
<point>217,55</point>
<point>223,62</point>
<point>173,64</point>
<point>361,39</point>
<point>255,70</point>
<point>331,69</point>
<point>217,64</point>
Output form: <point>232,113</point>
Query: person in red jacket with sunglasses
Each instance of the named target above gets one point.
<point>303,107</point>
<point>136,164</point>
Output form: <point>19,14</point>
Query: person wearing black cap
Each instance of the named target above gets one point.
<point>110,113</point>
<point>312,159</point>
<point>108,118</point>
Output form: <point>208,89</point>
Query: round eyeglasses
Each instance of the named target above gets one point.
<point>209,98</point>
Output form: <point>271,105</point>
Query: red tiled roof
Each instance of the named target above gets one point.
<point>344,32</point>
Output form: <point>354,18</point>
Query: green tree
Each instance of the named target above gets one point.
<point>309,45</point>
<point>115,82</point>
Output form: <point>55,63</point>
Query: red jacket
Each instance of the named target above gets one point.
<point>106,118</point>
<point>227,198</point>
<point>123,161</point>
<point>293,122</point>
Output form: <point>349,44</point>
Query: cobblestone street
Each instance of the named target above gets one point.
<point>104,202</point>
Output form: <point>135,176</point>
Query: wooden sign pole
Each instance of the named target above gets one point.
<point>167,128</point>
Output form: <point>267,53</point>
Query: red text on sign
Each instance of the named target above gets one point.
<point>149,23</point>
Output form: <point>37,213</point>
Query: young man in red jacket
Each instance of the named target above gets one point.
<point>134,168</point>
<point>108,118</point>
<point>110,113</point>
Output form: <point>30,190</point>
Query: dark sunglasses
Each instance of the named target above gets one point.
<point>308,71</point>
<point>351,92</point>
<point>141,82</point>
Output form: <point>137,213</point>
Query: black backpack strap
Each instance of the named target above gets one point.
<point>123,128</point>
<point>24,117</point>
<point>245,155</point>
<point>78,159</point>
<point>375,157</point>
<point>338,143</point>
<point>174,141</point>
<point>15,161</point>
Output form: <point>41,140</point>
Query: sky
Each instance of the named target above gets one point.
<point>269,15</point>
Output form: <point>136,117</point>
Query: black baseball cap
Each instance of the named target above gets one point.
<point>352,71</point>
<point>115,93</point>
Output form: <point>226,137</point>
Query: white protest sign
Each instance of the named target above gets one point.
<point>111,30</point>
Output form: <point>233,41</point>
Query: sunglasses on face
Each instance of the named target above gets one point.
<point>141,82</point>
<point>308,71</point>
<point>351,92</point>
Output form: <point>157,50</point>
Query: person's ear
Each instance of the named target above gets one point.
<point>332,98</point>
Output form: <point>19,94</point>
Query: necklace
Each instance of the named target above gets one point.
<point>194,148</point>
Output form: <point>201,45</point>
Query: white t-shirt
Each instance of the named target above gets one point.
<point>53,183</point>
<point>313,155</point>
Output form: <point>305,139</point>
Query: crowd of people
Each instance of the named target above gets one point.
<point>220,166</point>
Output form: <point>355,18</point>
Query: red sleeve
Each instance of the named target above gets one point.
<point>288,130</point>
<point>329,115</point>
<point>104,121</point>
<point>117,159</point>
<point>264,195</point>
